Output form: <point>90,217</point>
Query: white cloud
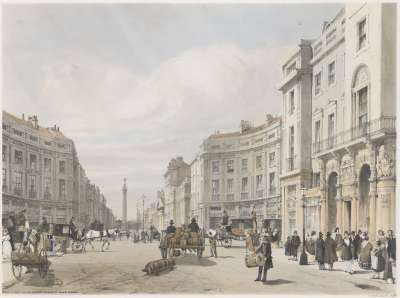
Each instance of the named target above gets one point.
<point>130,125</point>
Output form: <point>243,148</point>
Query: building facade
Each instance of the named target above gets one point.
<point>296,135</point>
<point>177,192</point>
<point>236,172</point>
<point>354,144</point>
<point>347,178</point>
<point>42,174</point>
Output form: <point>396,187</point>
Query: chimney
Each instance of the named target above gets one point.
<point>35,121</point>
<point>244,126</point>
<point>269,118</point>
<point>23,116</point>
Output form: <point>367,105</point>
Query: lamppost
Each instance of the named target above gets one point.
<point>303,256</point>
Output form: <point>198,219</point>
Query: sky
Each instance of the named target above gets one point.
<point>135,85</point>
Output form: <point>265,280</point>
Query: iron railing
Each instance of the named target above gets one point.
<point>260,193</point>
<point>383,124</point>
<point>18,191</point>
<point>230,197</point>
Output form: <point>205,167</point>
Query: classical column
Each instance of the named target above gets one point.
<point>354,214</point>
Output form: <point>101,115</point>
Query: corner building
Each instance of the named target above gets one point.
<point>236,171</point>
<point>352,182</point>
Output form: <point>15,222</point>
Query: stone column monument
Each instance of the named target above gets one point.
<point>124,205</point>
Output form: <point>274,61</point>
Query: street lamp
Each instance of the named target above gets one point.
<point>303,256</point>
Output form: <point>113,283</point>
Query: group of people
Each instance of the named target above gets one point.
<point>350,247</point>
<point>292,245</point>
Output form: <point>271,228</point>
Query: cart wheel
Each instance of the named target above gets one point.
<point>17,271</point>
<point>43,263</point>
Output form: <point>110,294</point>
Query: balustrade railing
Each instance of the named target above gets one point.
<point>383,124</point>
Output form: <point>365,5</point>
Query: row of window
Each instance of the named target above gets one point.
<point>18,159</point>
<point>360,102</point>
<point>361,43</point>
<point>215,164</point>
<point>215,187</point>
<point>32,191</point>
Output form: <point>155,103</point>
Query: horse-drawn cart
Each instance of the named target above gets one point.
<point>28,259</point>
<point>224,236</point>
<point>28,255</point>
<point>180,242</point>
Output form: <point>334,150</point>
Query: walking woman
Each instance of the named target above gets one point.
<point>319,251</point>
<point>365,253</point>
<point>330,256</point>
<point>347,253</point>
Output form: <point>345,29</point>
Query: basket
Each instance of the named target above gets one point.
<point>251,260</point>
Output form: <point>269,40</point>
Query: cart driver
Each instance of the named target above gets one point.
<point>171,228</point>
<point>194,227</point>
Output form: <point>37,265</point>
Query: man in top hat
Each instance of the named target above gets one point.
<point>265,250</point>
<point>171,228</point>
<point>194,227</point>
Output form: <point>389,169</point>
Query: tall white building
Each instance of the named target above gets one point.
<point>352,120</point>
<point>296,135</point>
<point>236,171</point>
<point>356,153</point>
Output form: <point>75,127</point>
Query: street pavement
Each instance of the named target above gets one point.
<point>119,270</point>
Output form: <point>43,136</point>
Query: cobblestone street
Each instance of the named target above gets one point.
<point>120,271</point>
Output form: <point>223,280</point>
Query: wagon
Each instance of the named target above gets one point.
<point>180,242</point>
<point>23,256</point>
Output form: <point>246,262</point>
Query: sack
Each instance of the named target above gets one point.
<point>250,260</point>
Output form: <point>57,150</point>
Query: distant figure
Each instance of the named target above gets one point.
<point>319,251</point>
<point>365,253</point>
<point>330,256</point>
<point>72,229</point>
<point>347,256</point>
<point>339,243</point>
<point>106,240</point>
<point>11,230</point>
<point>295,244</point>
<point>225,218</point>
<point>287,246</point>
<point>254,219</point>
<point>171,228</point>
<point>193,226</point>
<point>212,235</point>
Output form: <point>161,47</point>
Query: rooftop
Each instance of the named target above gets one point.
<point>48,132</point>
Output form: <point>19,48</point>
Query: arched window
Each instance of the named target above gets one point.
<point>360,98</point>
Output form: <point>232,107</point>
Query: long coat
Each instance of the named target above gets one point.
<point>365,254</point>
<point>266,251</point>
<point>294,245</point>
<point>330,251</point>
<point>391,248</point>
<point>347,253</point>
<point>319,250</point>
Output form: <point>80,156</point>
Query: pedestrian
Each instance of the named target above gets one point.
<point>330,256</point>
<point>171,228</point>
<point>346,252</point>
<point>379,264</point>
<point>339,243</point>
<point>72,229</point>
<point>295,244</point>
<point>365,252</point>
<point>106,240</point>
<point>319,251</point>
<point>357,245</point>
<point>287,246</point>
<point>266,252</point>
<point>391,249</point>
<point>213,243</point>
<point>11,230</point>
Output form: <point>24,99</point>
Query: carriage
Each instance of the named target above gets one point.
<point>28,255</point>
<point>181,242</point>
<point>224,236</point>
